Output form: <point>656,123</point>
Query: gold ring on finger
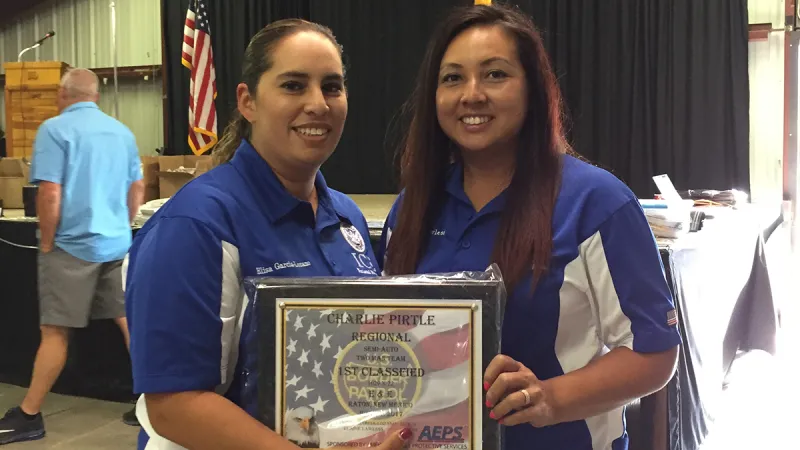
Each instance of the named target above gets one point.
<point>527,397</point>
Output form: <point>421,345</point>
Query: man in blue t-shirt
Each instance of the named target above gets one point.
<point>87,168</point>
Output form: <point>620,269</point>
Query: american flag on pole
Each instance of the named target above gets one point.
<point>197,56</point>
<point>437,408</point>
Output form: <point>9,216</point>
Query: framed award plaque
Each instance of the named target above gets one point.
<point>345,361</point>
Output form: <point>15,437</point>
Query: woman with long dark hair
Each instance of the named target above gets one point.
<point>265,210</point>
<point>488,177</point>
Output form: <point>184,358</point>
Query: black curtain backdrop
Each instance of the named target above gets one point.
<point>651,86</point>
<point>654,86</point>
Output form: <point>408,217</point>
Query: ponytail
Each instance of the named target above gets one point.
<point>237,129</point>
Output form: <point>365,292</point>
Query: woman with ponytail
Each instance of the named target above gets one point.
<point>263,205</point>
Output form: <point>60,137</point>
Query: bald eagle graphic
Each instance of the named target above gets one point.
<point>301,427</point>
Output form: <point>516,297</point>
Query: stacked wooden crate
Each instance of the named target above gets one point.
<point>31,94</point>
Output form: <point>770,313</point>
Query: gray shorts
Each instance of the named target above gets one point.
<point>72,291</point>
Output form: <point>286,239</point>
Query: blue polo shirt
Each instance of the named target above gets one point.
<point>95,160</point>
<point>605,289</point>
<point>189,318</point>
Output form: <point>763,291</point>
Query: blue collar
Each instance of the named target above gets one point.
<point>80,105</point>
<point>454,186</point>
<point>282,203</point>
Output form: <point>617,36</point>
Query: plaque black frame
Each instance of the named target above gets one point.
<point>264,292</point>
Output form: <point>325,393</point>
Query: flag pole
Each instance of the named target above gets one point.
<point>113,7</point>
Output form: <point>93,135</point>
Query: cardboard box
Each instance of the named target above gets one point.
<point>150,177</point>
<point>175,171</point>
<point>13,176</point>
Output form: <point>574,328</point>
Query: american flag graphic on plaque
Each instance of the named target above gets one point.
<point>354,374</point>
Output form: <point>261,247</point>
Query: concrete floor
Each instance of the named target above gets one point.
<point>74,423</point>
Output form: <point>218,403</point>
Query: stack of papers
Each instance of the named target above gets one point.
<point>671,217</point>
<point>147,210</point>
<point>666,226</point>
<point>667,220</point>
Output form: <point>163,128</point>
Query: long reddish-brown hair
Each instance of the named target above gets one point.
<point>524,240</point>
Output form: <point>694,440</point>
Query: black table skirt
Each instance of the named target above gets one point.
<point>98,365</point>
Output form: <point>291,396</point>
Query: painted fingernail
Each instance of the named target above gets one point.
<point>485,385</point>
<point>491,415</point>
<point>488,404</point>
<point>405,434</point>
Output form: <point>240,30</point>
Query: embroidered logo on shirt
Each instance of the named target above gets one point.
<point>353,237</point>
<point>436,232</point>
<point>672,318</point>
<point>364,264</point>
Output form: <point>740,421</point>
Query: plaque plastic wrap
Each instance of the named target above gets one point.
<point>344,361</point>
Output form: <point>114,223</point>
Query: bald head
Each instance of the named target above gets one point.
<point>78,85</point>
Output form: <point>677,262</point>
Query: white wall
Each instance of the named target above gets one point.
<point>83,39</point>
<point>766,70</point>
